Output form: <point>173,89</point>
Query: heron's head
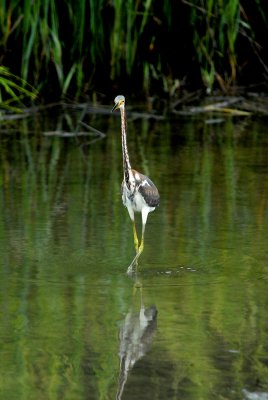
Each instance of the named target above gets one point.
<point>119,101</point>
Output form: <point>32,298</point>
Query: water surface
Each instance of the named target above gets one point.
<point>73,324</point>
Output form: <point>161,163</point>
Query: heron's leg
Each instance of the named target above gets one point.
<point>135,259</point>
<point>141,246</point>
<point>132,217</point>
<point>144,215</point>
<point>136,240</point>
<point>134,262</point>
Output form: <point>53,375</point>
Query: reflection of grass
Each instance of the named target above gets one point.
<point>65,237</point>
<point>51,193</point>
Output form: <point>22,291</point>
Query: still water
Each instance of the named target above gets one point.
<point>193,323</point>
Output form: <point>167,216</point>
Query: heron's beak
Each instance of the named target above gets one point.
<point>115,107</point>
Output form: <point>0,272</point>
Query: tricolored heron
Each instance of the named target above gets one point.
<point>139,193</point>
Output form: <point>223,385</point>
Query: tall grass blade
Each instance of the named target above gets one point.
<point>14,90</point>
<point>130,41</point>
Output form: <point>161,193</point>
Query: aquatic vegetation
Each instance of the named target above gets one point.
<point>13,90</point>
<point>77,48</point>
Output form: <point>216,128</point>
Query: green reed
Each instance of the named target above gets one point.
<point>218,27</point>
<point>13,90</point>
<point>215,40</point>
<point>73,47</point>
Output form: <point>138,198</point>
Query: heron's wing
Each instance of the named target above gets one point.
<point>149,191</point>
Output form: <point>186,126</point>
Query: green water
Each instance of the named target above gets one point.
<point>69,322</point>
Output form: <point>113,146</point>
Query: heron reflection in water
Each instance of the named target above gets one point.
<point>136,336</point>
<point>139,193</point>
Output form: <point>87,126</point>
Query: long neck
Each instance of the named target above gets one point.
<point>126,163</point>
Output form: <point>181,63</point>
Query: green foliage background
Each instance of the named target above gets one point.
<point>150,46</point>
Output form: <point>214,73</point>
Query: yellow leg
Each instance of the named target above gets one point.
<point>136,240</point>
<point>140,250</point>
<point>141,246</point>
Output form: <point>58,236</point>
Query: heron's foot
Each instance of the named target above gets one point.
<point>132,268</point>
<point>134,264</point>
<point>130,271</point>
